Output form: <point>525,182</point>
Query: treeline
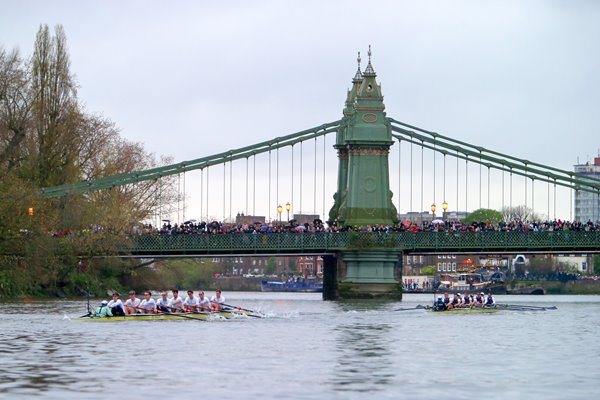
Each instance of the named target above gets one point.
<point>48,138</point>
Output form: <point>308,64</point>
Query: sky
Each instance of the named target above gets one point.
<point>193,78</point>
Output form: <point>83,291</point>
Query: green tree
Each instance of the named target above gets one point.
<point>429,270</point>
<point>483,215</point>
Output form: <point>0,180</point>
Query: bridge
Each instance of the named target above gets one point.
<point>358,264</point>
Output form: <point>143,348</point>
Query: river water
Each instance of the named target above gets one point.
<point>306,349</point>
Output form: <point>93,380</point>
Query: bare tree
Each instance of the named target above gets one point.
<point>15,108</point>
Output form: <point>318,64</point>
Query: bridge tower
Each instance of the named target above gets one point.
<point>363,195</point>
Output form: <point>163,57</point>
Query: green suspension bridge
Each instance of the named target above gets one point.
<point>361,264</point>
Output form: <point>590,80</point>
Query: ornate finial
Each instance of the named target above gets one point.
<point>369,70</point>
<point>358,75</point>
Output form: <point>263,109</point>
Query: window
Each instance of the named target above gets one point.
<point>453,266</point>
<point>439,265</point>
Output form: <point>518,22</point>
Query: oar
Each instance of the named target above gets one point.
<point>418,307</point>
<point>254,313</point>
<point>523,306</point>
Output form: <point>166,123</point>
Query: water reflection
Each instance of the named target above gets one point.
<point>364,362</point>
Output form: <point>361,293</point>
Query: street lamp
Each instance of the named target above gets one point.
<point>444,207</point>
<point>288,207</point>
<point>279,210</point>
<point>433,210</point>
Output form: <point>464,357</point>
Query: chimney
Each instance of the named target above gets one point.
<point>597,161</point>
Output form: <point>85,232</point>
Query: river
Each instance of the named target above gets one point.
<point>306,349</point>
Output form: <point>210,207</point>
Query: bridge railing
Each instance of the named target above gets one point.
<point>330,242</point>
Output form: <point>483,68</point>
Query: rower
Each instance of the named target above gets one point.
<point>103,310</point>
<point>456,301</point>
<point>479,299</point>
<point>164,303</point>
<point>203,303</point>
<point>132,304</point>
<point>148,305</point>
<point>489,301</point>
<point>190,303</point>
<point>447,302</point>
<point>217,301</point>
<point>116,305</point>
<point>466,300</point>
<point>176,301</point>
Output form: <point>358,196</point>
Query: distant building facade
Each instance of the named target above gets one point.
<point>587,205</point>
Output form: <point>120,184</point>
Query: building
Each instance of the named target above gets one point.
<point>249,219</point>
<point>416,217</point>
<point>587,205</point>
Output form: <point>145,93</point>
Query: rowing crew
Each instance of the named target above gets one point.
<point>466,301</point>
<point>164,304</point>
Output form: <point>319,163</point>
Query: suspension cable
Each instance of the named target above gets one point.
<point>457,159</point>
<point>301,157</point>
<point>292,175</point>
<point>466,184</point>
<point>201,194</point>
<point>178,197</point>
<point>480,188</point>
<point>224,190</point>
<point>277,183</point>
<point>246,208</point>
<point>555,198</point>
<point>511,192</point>
<point>421,205</point>
<point>399,171</point>
<point>207,194</point>
<point>444,178</point>
<point>411,178</point>
<point>269,200</point>
<point>433,173</point>
<point>315,181</point>
<point>230,189</point>
<point>488,187</point>
<point>324,168</point>
<point>184,193</point>
<point>254,185</point>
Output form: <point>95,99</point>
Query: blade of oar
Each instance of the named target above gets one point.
<point>254,315</point>
<point>418,307</point>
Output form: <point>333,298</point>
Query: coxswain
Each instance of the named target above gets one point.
<point>132,304</point>
<point>217,301</point>
<point>164,303</point>
<point>203,303</point>
<point>190,303</point>
<point>176,301</point>
<point>489,301</point>
<point>116,305</point>
<point>439,304</point>
<point>148,305</point>
<point>103,310</point>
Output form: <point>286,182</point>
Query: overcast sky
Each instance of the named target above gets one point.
<point>192,78</point>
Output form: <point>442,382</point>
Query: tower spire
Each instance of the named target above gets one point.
<point>369,71</point>
<point>358,76</point>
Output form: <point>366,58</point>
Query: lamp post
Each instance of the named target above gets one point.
<point>288,207</point>
<point>444,207</point>
<point>433,210</point>
<point>279,210</point>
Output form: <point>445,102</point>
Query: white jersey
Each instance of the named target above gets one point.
<point>148,305</point>
<point>204,304</point>
<point>133,303</point>
<point>489,300</point>
<point>176,302</point>
<point>215,299</point>
<point>163,302</point>
<point>191,302</point>
<point>116,303</point>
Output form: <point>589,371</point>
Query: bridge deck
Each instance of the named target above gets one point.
<point>329,242</point>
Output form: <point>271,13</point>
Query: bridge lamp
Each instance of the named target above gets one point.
<point>288,207</point>
<point>279,210</point>
<point>444,206</point>
<point>433,209</point>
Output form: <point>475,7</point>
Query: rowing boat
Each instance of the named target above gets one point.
<point>171,316</point>
<point>469,310</point>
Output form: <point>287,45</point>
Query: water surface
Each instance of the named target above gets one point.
<point>306,349</point>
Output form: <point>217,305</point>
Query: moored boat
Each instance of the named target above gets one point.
<point>304,286</point>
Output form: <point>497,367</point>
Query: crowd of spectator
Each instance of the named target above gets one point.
<point>317,225</point>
